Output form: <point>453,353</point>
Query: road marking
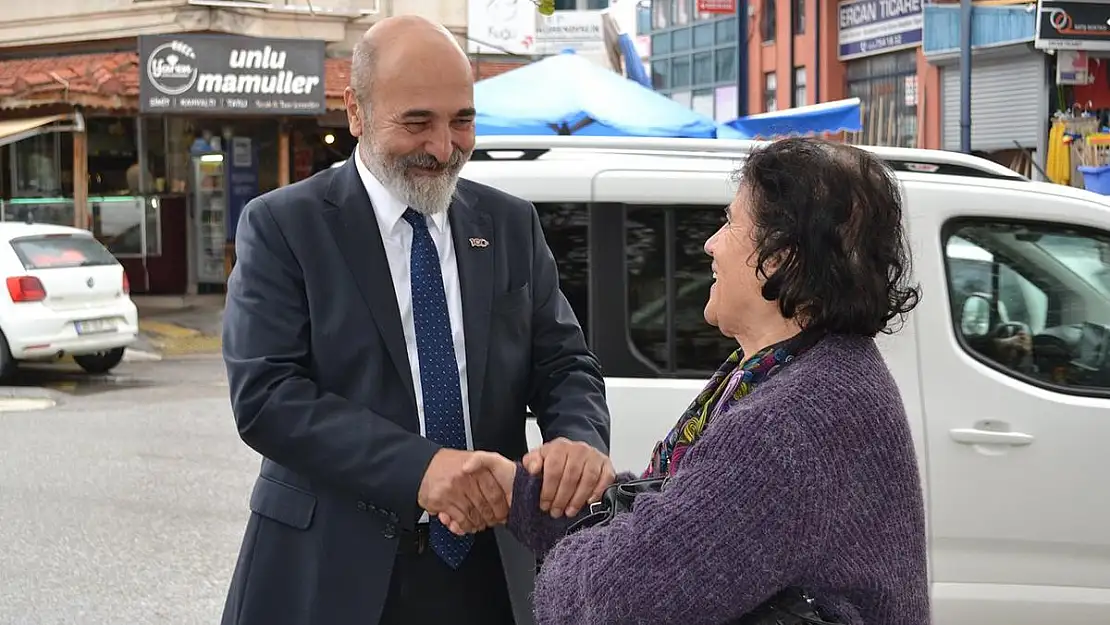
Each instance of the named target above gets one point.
<point>171,330</point>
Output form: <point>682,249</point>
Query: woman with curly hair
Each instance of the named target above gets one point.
<point>794,468</point>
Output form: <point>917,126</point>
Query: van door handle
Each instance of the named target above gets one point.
<point>975,436</point>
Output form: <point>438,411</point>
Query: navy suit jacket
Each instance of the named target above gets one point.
<point>320,387</point>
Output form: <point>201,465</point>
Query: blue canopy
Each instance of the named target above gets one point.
<point>839,116</point>
<point>567,94</point>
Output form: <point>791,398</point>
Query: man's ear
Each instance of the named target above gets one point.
<point>354,112</point>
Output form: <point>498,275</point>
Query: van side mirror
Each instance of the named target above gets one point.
<point>976,316</point>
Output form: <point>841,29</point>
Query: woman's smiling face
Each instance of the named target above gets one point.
<point>735,284</point>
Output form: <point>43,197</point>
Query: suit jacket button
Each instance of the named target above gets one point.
<point>362,506</point>
<point>390,531</point>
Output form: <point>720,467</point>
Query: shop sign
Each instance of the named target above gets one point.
<point>717,6</point>
<point>1076,25</point>
<point>501,27</point>
<point>230,74</point>
<point>868,27</point>
<point>581,31</point>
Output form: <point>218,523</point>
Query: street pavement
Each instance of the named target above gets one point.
<point>125,502</point>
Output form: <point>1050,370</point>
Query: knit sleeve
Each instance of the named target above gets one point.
<point>735,525</point>
<point>533,527</point>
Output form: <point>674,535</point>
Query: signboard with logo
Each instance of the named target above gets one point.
<point>501,26</point>
<point>230,74</point>
<point>1075,25</point>
<point>581,31</point>
<point>869,27</point>
<point>716,6</point>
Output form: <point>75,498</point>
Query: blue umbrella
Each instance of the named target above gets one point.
<point>567,94</point>
<point>839,116</point>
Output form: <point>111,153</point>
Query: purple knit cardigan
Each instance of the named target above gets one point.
<point>810,481</point>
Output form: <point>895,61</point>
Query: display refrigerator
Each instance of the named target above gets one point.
<point>209,185</point>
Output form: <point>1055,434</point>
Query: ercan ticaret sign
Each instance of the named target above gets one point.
<point>231,74</point>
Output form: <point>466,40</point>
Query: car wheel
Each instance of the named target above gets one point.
<point>8,364</point>
<point>100,362</point>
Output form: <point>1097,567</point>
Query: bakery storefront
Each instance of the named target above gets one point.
<point>158,150</point>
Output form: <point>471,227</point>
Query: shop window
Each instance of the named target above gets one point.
<point>566,228</point>
<point>703,68</point>
<point>1032,300</point>
<point>566,5</point>
<point>669,275</point>
<point>767,21</point>
<point>125,224</point>
<point>799,86</point>
<point>770,92</point>
<point>799,17</point>
<point>725,61</point>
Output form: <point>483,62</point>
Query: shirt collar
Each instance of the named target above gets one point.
<point>388,210</point>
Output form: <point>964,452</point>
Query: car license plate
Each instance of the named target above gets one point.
<point>95,326</point>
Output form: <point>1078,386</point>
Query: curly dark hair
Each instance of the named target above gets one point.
<point>827,225</point>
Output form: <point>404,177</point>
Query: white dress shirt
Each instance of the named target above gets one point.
<point>397,239</point>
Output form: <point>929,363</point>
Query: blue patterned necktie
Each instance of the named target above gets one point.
<point>439,372</point>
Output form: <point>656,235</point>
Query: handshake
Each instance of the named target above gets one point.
<point>470,491</point>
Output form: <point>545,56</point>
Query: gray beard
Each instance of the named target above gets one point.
<point>426,195</point>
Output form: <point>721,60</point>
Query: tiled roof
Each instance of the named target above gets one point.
<point>112,80</point>
<point>98,80</point>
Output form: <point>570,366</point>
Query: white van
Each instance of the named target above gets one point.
<point>1015,455</point>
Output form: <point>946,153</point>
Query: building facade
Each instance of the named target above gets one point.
<point>797,53</point>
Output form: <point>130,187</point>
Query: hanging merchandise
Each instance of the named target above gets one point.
<point>1079,150</point>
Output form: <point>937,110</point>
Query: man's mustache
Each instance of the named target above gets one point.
<point>427,161</point>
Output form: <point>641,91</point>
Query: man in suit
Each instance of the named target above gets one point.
<point>384,319</point>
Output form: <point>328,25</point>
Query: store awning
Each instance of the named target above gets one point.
<point>13,130</point>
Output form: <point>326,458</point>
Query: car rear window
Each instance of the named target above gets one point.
<point>57,251</point>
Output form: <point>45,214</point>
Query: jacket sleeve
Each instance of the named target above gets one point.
<point>533,527</point>
<point>728,532</point>
<point>279,409</point>
<point>566,389</point>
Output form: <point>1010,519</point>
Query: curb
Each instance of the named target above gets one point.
<point>171,339</point>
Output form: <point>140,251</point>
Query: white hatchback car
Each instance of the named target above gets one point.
<point>66,296</point>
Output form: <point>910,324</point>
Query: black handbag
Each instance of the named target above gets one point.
<point>791,606</point>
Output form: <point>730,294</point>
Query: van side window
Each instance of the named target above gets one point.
<point>669,275</point>
<point>565,226</point>
<point>1032,300</point>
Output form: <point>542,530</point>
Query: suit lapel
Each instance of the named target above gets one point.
<point>472,235</point>
<point>356,232</point>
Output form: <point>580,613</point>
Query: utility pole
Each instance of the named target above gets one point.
<point>965,76</point>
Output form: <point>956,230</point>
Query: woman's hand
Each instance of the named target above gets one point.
<point>503,470</point>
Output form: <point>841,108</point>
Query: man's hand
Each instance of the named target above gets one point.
<point>473,500</point>
<point>488,463</point>
<point>574,474</point>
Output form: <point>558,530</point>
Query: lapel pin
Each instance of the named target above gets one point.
<point>478,242</point>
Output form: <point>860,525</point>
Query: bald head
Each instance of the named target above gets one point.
<point>411,105</point>
<point>402,44</point>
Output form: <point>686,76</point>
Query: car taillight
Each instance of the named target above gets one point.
<point>26,289</point>
<point>126,283</point>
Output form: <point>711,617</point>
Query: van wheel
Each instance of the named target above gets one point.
<point>8,364</point>
<point>100,362</point>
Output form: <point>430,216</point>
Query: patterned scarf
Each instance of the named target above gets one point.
<point>733,380</point>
